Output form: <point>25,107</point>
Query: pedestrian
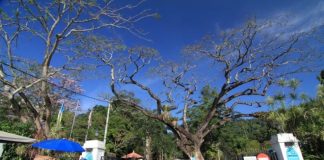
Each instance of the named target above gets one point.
<point>87,155</point>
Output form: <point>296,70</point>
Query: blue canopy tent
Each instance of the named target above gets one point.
<point>61,145</point>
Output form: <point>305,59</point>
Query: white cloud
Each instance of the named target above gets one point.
<point>297,21</point>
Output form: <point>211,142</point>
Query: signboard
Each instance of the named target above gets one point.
<point>263,156</point>
<point>291,153</point>
<point>249,158</point>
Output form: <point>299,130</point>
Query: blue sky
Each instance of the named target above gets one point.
<point>184,22</point>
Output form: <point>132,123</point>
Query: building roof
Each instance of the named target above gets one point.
<point>6,137</point>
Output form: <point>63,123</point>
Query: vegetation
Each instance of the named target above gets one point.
<point>128,130</point>
<point>16,151</point>
<point>305,121</point>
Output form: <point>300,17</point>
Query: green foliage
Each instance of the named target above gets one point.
<point>287,93</point>
<point>320,89</point>
<point>233,139</point>
<point>127,131</point>
<point>215,152</point>
<point>305,121</point>
<point>197,113</point>
<point>16,151</point>
<point>320,78</point>
<point>243,136</point>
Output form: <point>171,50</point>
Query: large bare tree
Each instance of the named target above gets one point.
<point>240,63</point>
<point>48,25</point>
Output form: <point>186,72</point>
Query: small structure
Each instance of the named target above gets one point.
<point>6,137</point>
<point>97,149</point>
<point>286,146</point>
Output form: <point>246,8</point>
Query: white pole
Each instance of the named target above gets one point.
<point>59,116</point>
<point>89,124</point>
<point>107,120</point>
<point>72,125</point>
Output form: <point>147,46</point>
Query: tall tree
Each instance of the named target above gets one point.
<point>248,61</point>
<point>49,24</point>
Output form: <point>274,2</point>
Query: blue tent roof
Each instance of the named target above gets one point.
<point>62,145</point>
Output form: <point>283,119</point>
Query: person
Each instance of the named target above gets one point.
<point>88,155</point>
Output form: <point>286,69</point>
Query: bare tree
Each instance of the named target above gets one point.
<point>50,24</point>
<point>247,60</point>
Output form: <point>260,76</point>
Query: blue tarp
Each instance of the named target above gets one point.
<point>62,145</point>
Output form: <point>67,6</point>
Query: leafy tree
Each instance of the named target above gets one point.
<point>127,131</point>
<point>242,137</point>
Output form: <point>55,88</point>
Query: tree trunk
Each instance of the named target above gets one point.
<point>47,126</point>
<point>197,154</point>
<point>47,100</point>
<point>190,145</point>
<point>39,128</point>
<point>148,153</point>
<point>193,151</point>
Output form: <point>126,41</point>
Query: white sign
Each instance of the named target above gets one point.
<point>250,158</point>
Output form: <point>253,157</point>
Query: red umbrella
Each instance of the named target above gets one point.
<point>132,155</point>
